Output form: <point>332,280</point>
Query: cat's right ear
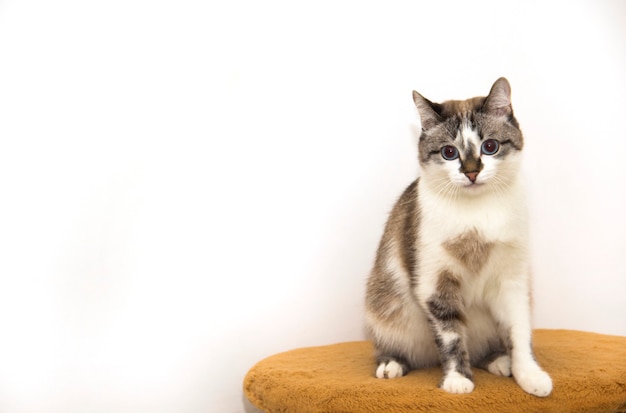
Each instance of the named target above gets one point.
<point>498,103</point>
<point>428,114</point>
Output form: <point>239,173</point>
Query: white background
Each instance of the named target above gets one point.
<point>188,187</point>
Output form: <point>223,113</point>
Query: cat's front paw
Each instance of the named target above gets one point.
<point>389,369</point>
<point>534,381</point>
<point>457,383</point>
<point>500,366</point>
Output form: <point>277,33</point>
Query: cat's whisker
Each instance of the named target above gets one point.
<point>496,185</point>
<point>442,186</point>
<point>500,186</point>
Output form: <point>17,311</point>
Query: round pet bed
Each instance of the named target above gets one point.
<point>588,371</point>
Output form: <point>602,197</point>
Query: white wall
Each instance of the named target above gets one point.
<point>187,186</point>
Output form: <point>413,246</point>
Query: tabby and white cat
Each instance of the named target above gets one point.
<point>450,284</point>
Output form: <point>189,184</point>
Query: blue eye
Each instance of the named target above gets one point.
<point>490,146</point>
<point>449,153</point>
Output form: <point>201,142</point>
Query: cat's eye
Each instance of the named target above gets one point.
<point>449,153</point>
<point>490,146</point>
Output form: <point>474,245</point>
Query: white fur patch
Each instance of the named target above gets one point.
<point>470,137</point>
<point>500,366</point>
<point>457,383</point>
<point>393,265</point>
<point>389,370</point>
<point>448,337</point>
<point>533,380</point>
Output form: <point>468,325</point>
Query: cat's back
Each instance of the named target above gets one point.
<point>401,229</point>
<point>389,282</point>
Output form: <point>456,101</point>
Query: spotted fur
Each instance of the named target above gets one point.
<point>450,281</point>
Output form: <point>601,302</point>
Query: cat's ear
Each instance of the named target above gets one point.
<point>429,115</point>
<point>498,103</point>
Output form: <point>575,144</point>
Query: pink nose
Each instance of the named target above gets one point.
<point>471,176</point>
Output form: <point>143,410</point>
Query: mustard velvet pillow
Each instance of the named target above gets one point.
<point>588,371</point>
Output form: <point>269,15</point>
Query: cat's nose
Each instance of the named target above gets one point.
<point>471,176</point>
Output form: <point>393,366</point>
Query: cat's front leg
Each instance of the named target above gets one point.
<point>445,312</point>
<point>513,313</point>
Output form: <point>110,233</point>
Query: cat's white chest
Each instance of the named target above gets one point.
<point>478,239</point>
<point>497,218</point>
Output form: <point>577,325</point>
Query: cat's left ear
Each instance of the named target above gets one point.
<point>429,111</point>
<point>498,103</point>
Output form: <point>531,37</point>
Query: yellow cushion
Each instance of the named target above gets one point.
<point>588,371</point>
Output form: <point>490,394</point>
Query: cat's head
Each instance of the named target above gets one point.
<point>471,146</point>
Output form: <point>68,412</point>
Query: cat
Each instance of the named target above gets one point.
<point>450,282</point>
